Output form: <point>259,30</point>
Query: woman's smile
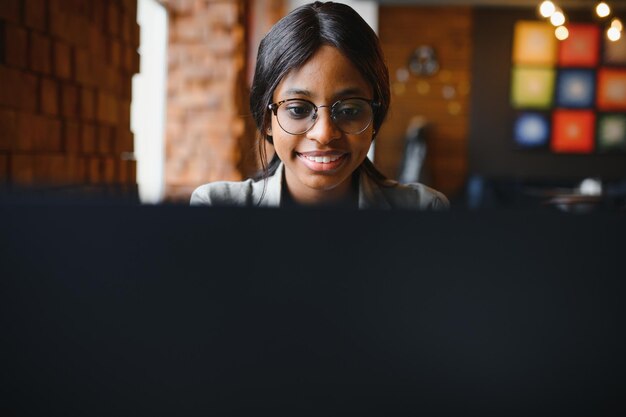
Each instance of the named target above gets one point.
<point>323,161</point>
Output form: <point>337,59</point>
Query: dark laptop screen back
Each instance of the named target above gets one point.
<point>231,312</point>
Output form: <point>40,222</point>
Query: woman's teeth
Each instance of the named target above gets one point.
<point>322,159</point>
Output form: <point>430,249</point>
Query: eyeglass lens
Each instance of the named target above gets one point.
<point>351,115</point>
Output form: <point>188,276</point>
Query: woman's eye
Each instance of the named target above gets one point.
<point>298,111</point>
<point>349,111</point>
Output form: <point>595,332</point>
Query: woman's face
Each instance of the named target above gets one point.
<point>326,77</point>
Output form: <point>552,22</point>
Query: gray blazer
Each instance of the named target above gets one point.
<point>371,195</point>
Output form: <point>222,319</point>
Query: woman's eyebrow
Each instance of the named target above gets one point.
<point>350,91</point>
<point>298,91</point>
<point>343,93</point>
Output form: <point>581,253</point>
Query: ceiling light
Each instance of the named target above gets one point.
<point>616,23</point>
<point>613,34</point>
<point>603,9</point>
<point>557,18</point>
<point>547,9</point>
<point>561,33</point>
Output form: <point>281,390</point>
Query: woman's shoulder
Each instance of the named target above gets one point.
<point>224,193</point>
<point>417,196</point>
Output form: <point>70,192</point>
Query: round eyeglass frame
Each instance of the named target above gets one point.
<point>274,108</point>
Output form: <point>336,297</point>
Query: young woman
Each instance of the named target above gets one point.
<point>320,94</point>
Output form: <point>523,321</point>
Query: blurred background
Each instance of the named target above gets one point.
<point>147,99</point>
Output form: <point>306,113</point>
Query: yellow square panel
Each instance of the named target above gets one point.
<point>534,43</point>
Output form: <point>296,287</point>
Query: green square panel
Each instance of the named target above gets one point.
<point>612,132</point>
<point>532,88</point>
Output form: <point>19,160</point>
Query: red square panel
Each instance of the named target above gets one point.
<point>612,89</point>
<point>573,131</point>
<point>582,47</point>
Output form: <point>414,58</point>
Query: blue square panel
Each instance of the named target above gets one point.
<point>532,130</point>
<point>575,88</point>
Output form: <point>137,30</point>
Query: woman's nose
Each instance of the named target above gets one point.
<point>324,130</point>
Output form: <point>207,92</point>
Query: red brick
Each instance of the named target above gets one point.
<point>124,117</point>
<point>27,129</point>
<point>130,7</point>
<point>8,128</point>
<point>126,171</point>
<point>107,108</point>
<point>126,28</point>
<point>105,140</point>
<point>37,133</point>
<point>52,139</point>
<point>69,100</point>
<point>4,168</point>
<point>50,169</point>
<point>49,96</point>
<point>113,19</point>
<point>87,103</point>
<point>99,14</point>
<point>22,169</point>
<point>110,78</point>
<point>84,8</point>
<point>75,169</point>
<point>97,44</point>
<point>35,13</point>
<point>19,89</point>
<point>78,30</point>
<point>59,20</point>
<point>126,88</point>
<point>124,141</point>
<point>71,137</point>
<point>135,34</point>
<point>136,64</point>
<point>59,5</point>
<point>108,171</point>
<point>132,171</point>
<point>115,53</point>
<point>62,57</point>
<point>127,58</point>
<point>122,171</point>
<point>84,67</point>
<point>94,170</point>
<point>10,10</point>
<point>88,139</point>
<point>15,45</point>
<point>40,53</point>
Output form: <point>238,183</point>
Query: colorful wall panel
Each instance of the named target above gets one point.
<point>569,96</point>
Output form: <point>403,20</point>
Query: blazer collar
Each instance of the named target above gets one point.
<point>370,194</point>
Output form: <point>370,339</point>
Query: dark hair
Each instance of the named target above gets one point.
<point>294,39</point>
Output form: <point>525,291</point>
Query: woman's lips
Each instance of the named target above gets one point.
<point>322,161</point>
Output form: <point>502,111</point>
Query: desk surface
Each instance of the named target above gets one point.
<point>198,311</point>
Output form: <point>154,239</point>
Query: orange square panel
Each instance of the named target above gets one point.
<point>573,131</point>
<point>534,43</point>
<point>582,47</point>
<point>611,89</point>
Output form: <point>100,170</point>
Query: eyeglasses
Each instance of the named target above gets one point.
<point>297,116</point>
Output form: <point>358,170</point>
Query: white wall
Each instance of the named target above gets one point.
<point>148,105</point>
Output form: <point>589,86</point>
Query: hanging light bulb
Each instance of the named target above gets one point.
<point>561,33</point>
<point>616,23</point>
<point>547,9</point>
<point>603,9</point>
<point>557,18</point>
<point>613,34</point>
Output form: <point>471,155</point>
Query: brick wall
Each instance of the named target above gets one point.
<point>206,94</point>
<point>442,98</point>
<point>65,91</point>
<point>210,134</point>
